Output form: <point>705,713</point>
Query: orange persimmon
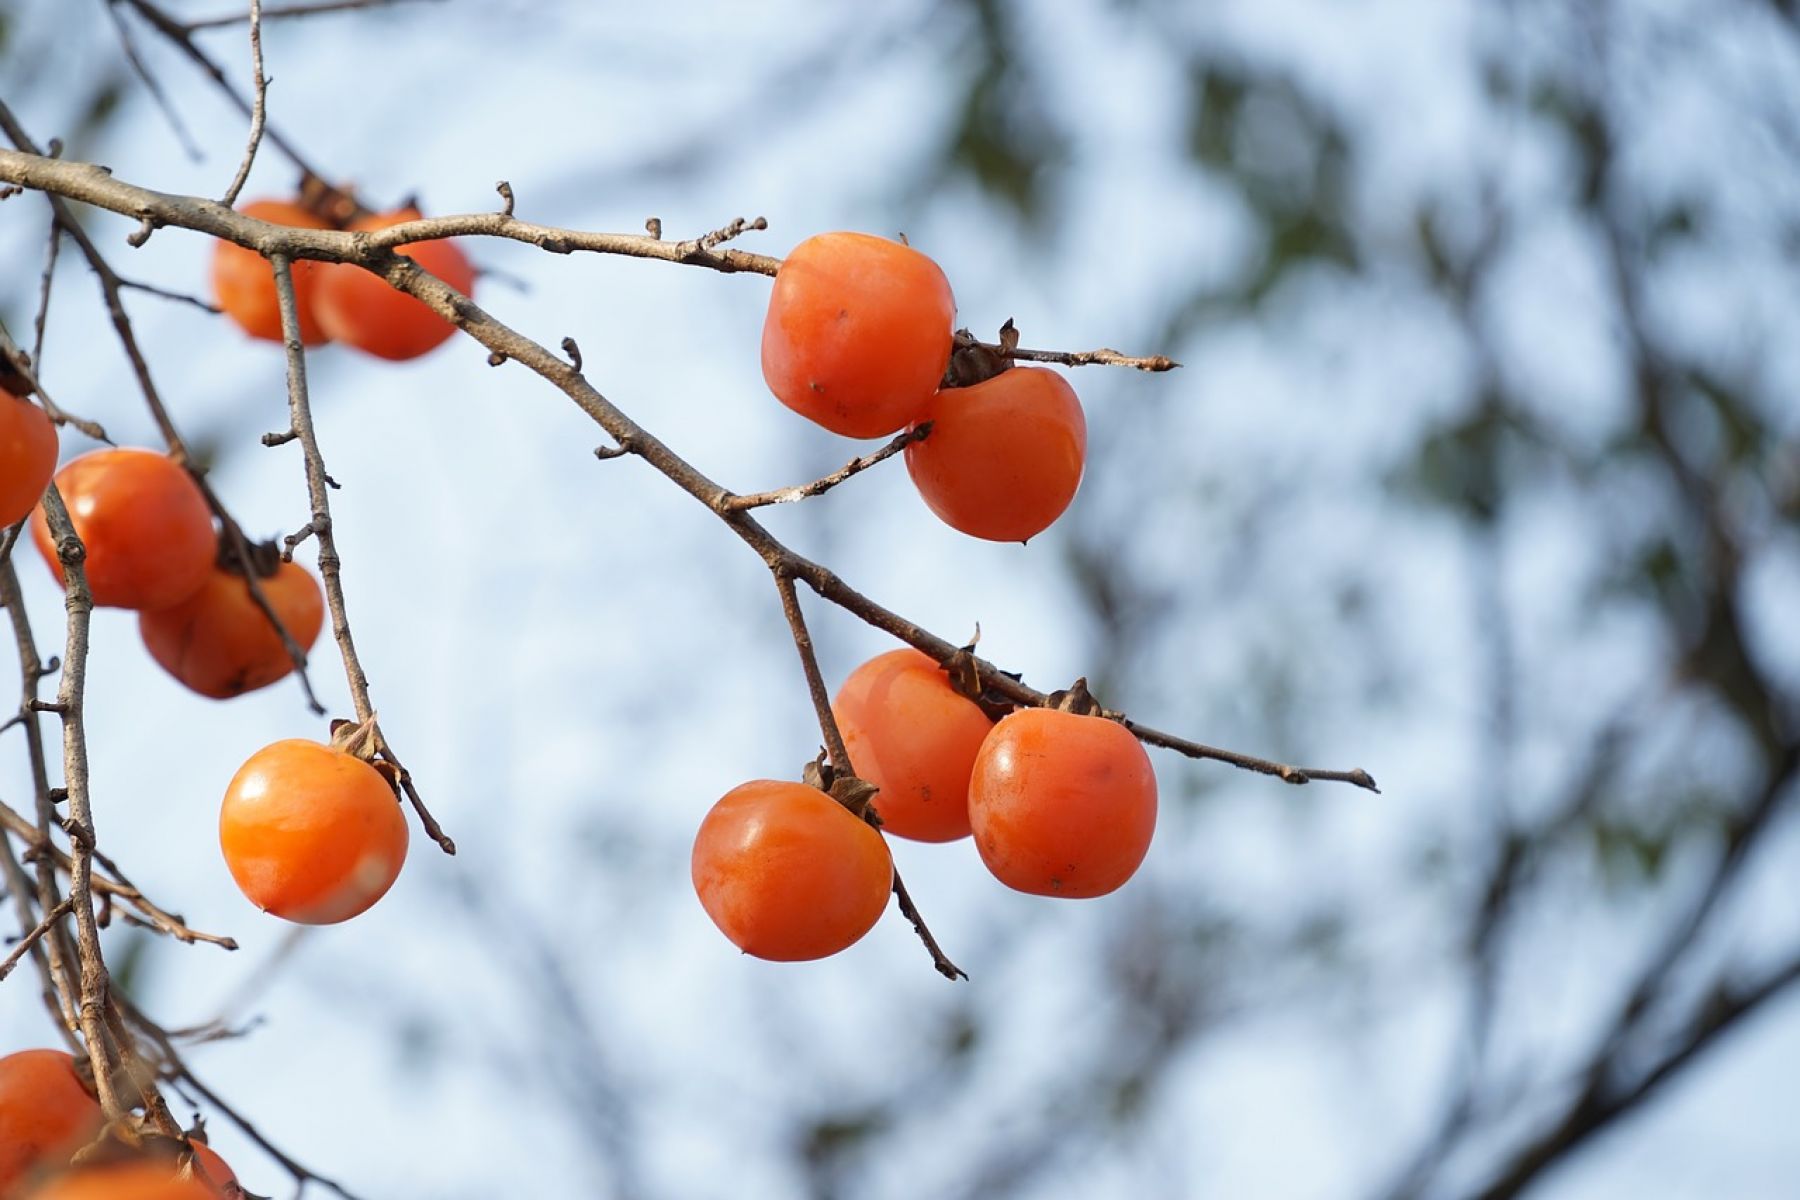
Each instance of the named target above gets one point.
<point>138,1179</point>
<point>858,333</point>
<point>220,644</point>
<point>311,833</point>
<point>1062,804</point>
<point>915,737</point>
<point>1004,457</point>
<point>244,284</point>
<point>358,308</point>
<point>147,528</point>
<point>45,1114</point>
<point>27,456</point>
<point>787,873</point>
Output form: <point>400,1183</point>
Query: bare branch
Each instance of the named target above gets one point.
<point>820,486</point>
<point>70,696</point>
<point>258,106</point>
<point>29,942</point>
<point>292,10</point>
<point>318,484</point>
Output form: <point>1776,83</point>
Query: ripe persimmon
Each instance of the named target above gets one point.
<point>358,308</point>
<point>244,283</point>
<point>136,1179</point>
<point>858,333</point>
<point>311,833</point>
<point>787,873</point>
<point>147,529</point>
<point>915,737</point>
<point>220,644</point>
<point>27,456</point>
<point>1004,456</point>
<point>1062,804</point>
<point>45,1114</point>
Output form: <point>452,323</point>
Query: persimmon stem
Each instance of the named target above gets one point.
<point>815,681</point>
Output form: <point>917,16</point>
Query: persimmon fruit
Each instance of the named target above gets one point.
<point>46,1114</point>
<point>915,737</point>
<point>358,308</point>
<point>220,644</point>
<point>27,456</point>
<point>311,833</point>
<point>148,1178</point>
<point>244,283</point>
<point>147,529</point>
<point>1062,804</point>
<point>787,873</point>
<point>1004,456</point>
<point>858,333</point>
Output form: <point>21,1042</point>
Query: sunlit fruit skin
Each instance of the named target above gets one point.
<point>1004,457</point>
<point>139,1179</point>
<point>27,456</point>
<point>787,873</point>
<point>1061,804</point>
<point>45,1114</point>
<point>147,529</point>
<point>244,283</point>
<point>915,737</point>
<point>858,333</point>
<point>360,309</point>
<point>219,643</point>
<point>311,834</point>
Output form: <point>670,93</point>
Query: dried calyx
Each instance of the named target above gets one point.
<point>973,362</point>
<point>849,791</point>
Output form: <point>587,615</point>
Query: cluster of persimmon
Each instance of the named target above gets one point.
<point>310,832</point>
<point>1061,800</point>
<point>337,302</point>
<point>54,1144</point>
<point>858,338</point>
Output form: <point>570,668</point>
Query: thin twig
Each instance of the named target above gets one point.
<point>176,1068</point>
<point>177,33</point>
<point>29,942</point>
<point>258,106</point>
<point>108,882</point>
<point>70,696</point>
<point>815,681</point>
<point>128,42</point>
<point>840,759</point>
<point>820,486</point>
<point>292,10</point>
<point>52,248</point>
<point>330,564</point>
<point>59,951</point>
<point>152,289</point>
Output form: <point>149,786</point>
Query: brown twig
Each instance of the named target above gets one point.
<point>109,882</point>
<point>330,564</point>
<point>820,486</point>
<point>70,696</point>
<point>1070,358</point>
<point>258,106</point>
<point>58,951</point>
<point>815,681</point>
<point>840,759</point>
<point>290,10</point>
<point>29,942</point>
<point>177,33</point>
<point>128,42</point>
